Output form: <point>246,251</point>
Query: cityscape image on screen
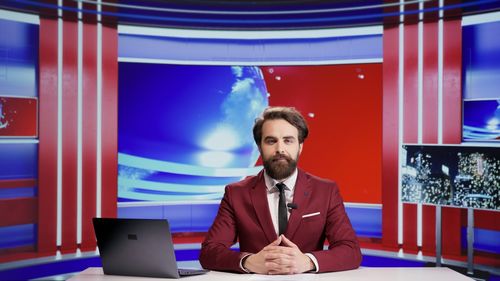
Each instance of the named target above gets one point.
<point>460,176</point>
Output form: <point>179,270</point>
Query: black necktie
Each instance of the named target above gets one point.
<point>282,211</point>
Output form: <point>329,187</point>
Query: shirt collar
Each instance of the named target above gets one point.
<point>289,182</point>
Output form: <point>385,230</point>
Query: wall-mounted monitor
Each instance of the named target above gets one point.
<point>185,132</point>
<point>481,69</point>
<point>451,175</point>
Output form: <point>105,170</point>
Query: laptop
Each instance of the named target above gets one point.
<point>138,247</point>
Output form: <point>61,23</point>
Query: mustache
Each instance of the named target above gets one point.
<point>280,157</point>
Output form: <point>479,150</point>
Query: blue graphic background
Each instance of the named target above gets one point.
<point>481,120</point>
<point>185,131</point>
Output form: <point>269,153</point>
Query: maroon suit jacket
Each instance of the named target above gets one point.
<point>244,216</point>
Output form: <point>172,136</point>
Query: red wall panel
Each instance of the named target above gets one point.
<point>24,208</point>
<point>410,106</point>
<point>10,183</point>
<point>452,130</point>
<point>109,121</point>
<point>47,157</point>
<point>410,123</point>
<point>346,130</point>
<point>69,135</point>
<point>430,122</point>
<point>430,84</point>
<point>486,220</point>
<point>390,142</point>
<point>89,135</point>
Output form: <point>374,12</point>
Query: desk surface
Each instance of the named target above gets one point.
<point>363,273</point>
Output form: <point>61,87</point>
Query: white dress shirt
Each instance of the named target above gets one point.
<point>273,195</point>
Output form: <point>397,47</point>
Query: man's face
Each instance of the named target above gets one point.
<point>279,148</point>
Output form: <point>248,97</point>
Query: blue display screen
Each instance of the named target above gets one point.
<point>185,131</point>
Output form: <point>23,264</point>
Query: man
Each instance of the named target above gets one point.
<point>272,239</point>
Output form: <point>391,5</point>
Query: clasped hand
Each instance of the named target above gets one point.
<point>279,259</point>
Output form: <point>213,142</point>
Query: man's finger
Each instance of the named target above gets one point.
<point>277,241</point>
<point>287,242</point>
<point>279,250</point>
<point>273,244</point>
<point>277,257</point>
<point>279,269</point>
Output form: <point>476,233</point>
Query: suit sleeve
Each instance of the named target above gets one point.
<point>343,251</point>
<point>215,250</point>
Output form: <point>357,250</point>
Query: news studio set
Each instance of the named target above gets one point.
<point>142,112</point>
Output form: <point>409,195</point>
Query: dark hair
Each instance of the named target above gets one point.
<point>289,114</point>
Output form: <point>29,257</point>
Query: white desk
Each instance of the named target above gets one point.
<point>364,273</point>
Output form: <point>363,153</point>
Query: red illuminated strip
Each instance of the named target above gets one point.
<point>430,123</point>
<point>410,111</point>
<point>69,135</point>
<point>430,84</point>
<point>452,77</point>
<point>47,189</point>
<point>390,139</point>
<point>452,86</point>
<point>109,134</point>
<point>18,183</point>
<point>410,125</point>
<point>89,135</point>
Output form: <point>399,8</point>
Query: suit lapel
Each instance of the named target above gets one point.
<point>301,196</point>
<point>259,201</point>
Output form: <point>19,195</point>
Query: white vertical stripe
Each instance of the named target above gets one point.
<point>59,123</point>
<point>400,117</point>
<point>420,91</point>
<point>99,112</point>
<point>440,73</point>
<point>79,129</point>
<point>419,224</point>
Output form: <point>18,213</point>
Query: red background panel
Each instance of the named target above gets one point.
<point>69,135</point>
<point>345,137</point>
<point>430,84</point>
<point>109,121</point>
<point>410,123</point>
<point>25,210</point>
<point>452,130</point>
<point>390,139</point>
<point>89,135</point>
<point>18,117</point>
<point>47,170</point>
<point>430,123</point>
<point>410,107</point>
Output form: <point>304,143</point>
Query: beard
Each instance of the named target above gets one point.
<point>278,169</point>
